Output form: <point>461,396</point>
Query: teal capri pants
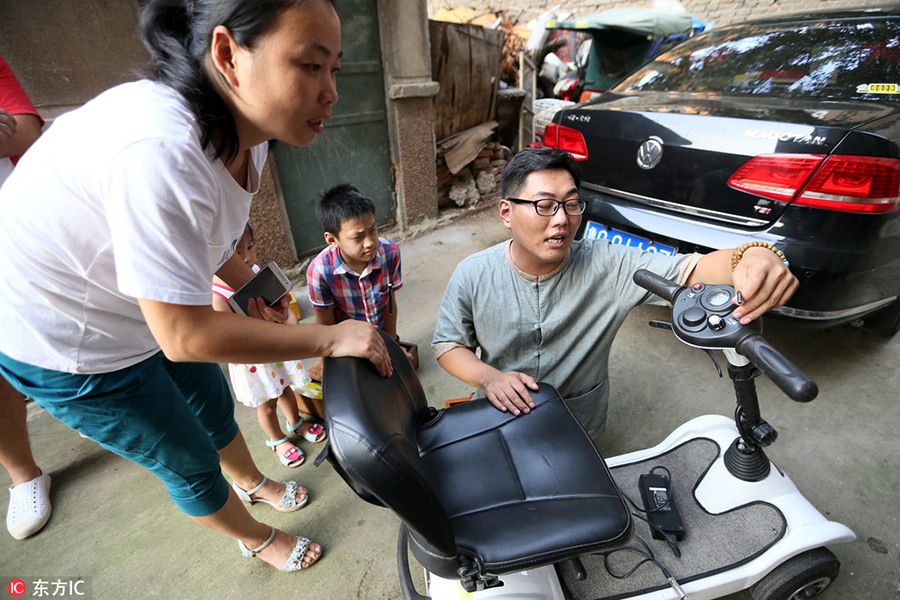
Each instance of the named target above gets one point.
<point>170,418</point>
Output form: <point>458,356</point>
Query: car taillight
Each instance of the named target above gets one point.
<point>775,176</point>
<point>862,184</point>
<point>565,138</point>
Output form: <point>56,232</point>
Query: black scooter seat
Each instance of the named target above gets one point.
<point>475,486</point>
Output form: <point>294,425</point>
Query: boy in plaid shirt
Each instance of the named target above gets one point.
<point>355,277</point>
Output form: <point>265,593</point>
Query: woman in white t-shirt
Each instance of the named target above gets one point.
<point>117,218</point>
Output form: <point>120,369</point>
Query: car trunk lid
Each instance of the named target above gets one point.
<point>650,148</point>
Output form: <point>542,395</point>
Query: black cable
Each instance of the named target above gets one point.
<point>647,553</point>
<point>672,542</point>
<point>668,473</point>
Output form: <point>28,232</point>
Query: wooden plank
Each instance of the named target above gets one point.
<point>466,62</point>
<point>462,148</point>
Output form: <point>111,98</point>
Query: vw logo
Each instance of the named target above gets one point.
<point>650,153</point>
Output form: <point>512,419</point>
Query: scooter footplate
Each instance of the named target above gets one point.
<point>712,543</point>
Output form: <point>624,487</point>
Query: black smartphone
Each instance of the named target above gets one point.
<point>270,284</point>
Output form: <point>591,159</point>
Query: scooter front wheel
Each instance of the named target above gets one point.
<point>804,576</point>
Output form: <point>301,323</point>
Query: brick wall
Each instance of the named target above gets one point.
<point>723,12</point>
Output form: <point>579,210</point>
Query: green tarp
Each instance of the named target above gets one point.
<point>641,21</point>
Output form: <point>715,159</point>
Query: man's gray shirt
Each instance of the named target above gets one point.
<point>558,327</point>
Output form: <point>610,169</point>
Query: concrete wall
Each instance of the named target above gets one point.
<point>410,91</point>
<point>723,12</point>
<point>65,53</point>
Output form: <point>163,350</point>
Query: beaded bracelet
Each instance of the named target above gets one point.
<point>739,252</point>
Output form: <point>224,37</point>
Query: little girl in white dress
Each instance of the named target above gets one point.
<point>257,385</point>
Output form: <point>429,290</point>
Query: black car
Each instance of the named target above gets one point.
<point>785,130</point>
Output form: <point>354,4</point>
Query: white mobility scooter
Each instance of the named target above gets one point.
<point>492,508</point>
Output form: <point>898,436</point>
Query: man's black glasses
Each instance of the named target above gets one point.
<point>547,207</point>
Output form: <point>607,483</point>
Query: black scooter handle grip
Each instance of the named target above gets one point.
<point>776,367</point>
<point>660,286</point>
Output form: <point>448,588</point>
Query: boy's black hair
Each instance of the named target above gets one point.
<point>531,160</point>
<point>342,203</point>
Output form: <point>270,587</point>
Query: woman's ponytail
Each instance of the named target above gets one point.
<point>172,31</point>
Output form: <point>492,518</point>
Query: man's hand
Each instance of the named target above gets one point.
<point>763,281</point>
<point>509,392</point>
<point>506,391</point>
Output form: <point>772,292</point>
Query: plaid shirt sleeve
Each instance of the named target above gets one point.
<point>320,279</point>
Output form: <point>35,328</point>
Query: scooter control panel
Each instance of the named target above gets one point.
<point>702,316</point>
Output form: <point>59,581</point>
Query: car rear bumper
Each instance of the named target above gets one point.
<point>834,317</point>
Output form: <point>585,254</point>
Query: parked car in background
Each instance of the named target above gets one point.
<point>785,130</point>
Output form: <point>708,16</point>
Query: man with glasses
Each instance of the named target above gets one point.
<point>543,307</point>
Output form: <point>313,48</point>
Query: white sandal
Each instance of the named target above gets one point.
<point>294,561</point>
<point>287,503</point>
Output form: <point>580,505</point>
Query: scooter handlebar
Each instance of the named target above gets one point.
<point>700,318</point>
<point>660,286</point>
<point>776,367</point>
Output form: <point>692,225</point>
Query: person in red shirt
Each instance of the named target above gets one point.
<point>29,495</point>
<point>20,123</point>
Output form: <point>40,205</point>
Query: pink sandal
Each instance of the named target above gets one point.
<point>314,434</point>
<point>292,457</point>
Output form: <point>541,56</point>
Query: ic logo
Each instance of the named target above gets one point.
<point>650,153</point>
<point>16,588</point>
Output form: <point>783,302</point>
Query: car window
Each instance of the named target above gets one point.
<point>827,60</point>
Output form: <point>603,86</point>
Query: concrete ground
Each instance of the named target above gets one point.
<point>114,525</point>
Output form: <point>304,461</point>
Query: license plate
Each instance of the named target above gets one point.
<point>596,231</point>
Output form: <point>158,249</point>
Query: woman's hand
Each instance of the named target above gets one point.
<point>363,340</point>
<point>277,313</point>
